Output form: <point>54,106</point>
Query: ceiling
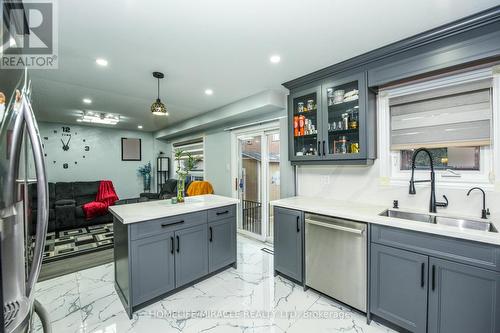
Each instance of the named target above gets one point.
<point>223,45</point>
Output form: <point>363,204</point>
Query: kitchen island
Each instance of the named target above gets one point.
<point>160,248</point>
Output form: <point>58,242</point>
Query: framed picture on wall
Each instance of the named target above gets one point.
<point>131,149</point>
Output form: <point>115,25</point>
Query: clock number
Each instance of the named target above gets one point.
<point>65,129</point>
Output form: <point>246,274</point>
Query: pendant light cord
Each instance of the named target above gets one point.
<point>158,88</point>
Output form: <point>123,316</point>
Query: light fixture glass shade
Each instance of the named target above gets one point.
<point>158,108</point>
<point>99,118</point>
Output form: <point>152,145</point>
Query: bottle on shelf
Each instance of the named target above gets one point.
<point>302,120</point>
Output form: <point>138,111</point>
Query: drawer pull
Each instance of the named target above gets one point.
<point>222,213</point>
<point>172,245</point>
<point>211,234</point>
<point>163,225</point>
<point>178,244</point>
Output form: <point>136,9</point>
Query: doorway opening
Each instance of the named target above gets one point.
<point>256,174</point>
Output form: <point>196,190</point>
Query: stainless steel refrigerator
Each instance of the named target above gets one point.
<point>21,164</point>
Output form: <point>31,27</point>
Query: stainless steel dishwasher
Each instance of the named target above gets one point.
<point>336,258</point>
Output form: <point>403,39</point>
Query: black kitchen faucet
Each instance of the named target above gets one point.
<point>433,203</point>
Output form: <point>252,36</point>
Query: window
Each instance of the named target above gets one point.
<point>450,158</point>
<point>196,148</point>
<point>452,116</point>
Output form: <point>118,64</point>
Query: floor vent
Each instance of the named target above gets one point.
<point>265,249</point>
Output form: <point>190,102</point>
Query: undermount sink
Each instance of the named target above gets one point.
<point>408,215</point>
<point>444,220</point>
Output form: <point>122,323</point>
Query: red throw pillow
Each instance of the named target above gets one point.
<point>94,209</point>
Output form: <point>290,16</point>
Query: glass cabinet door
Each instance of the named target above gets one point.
<point>305,124</point>
<point>342,119</point>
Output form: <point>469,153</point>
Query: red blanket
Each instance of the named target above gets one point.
<point>106,196</point>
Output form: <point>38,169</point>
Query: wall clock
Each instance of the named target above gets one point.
<point>65,139</point>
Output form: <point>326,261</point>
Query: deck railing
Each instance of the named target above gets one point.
<point>252,216</point>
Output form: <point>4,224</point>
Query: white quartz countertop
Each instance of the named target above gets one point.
<point>150,210</point>
<point>370,214</point>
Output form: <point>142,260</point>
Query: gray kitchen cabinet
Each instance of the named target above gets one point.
<point>326,130</point>
<point>463,298</point>
<point>152,267</point>
<point>399,287</point>
<point>305,110</point>
<point>221,243</point>
<point>191,255</point>
<point>435,284</point>
<point>288,242</point>
<point>356,140</point>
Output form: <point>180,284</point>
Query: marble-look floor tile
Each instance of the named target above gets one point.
<point>247,299</point>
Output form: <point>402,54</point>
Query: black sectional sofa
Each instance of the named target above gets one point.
<point>65,205</point>
<point>168,190</point>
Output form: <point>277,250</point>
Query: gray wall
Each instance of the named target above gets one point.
<point>103,161</point>
<point>218,161</point>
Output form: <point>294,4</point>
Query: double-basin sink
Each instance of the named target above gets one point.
<point>460,223</point>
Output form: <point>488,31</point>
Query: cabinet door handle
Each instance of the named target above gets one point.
<point>324,149</point>
<point>222,213</point>
<point>319,148</point>
<point>211,234</point>
<point>298,220</point>
<point>172,245</point>
<point>178,244</point>
<point>422,275</point>
<point>433,277</point>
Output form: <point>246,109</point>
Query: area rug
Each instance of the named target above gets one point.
<point>69,243</point>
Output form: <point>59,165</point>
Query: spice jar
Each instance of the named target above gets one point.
<point>300,107</point>
<point>310,104</point>
<point>341,145</point>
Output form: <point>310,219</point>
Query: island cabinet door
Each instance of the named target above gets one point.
<point>399,287</point>
<point>462,298</point>
<point>152,266</point>
<point>221,243</point>
<point>191,254</point>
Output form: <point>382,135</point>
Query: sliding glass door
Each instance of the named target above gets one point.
<point>257,182</point>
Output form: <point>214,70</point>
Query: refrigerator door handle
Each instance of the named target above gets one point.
<point>42,196</point>
<point>14,158</point>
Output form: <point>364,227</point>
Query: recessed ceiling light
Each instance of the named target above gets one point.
<point>87,101</point>
<point>275,59</point>
<point>101,62</point>
<point>209,92</point>
<point>139,127</point>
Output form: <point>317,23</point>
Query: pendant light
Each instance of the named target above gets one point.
<point>158,108</point>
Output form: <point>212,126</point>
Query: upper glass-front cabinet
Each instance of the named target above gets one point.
<point>333,122</point>
<point>343,117</point>
<point>306,123</point>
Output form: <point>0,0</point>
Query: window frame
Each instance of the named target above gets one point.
<point>194,173</point>
<point>390,172</point>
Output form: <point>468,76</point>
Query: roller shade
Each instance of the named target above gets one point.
<point>457,116</point>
